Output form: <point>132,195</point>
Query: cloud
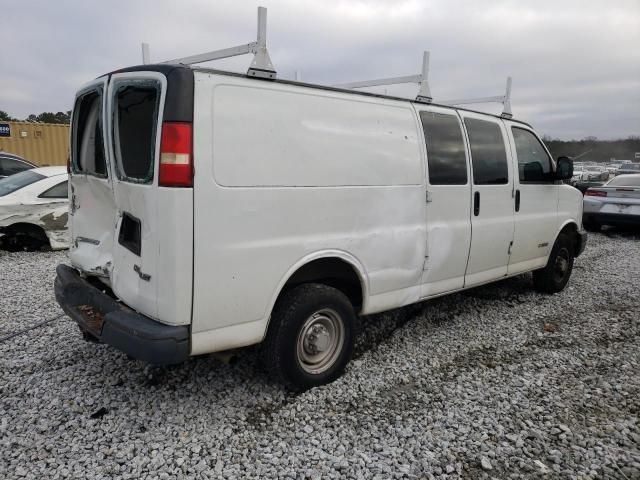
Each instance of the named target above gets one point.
<point>575,64</point>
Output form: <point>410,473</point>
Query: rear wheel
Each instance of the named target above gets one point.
<point>24,237</point>
<point>554,277</point>
<point>310,337</point>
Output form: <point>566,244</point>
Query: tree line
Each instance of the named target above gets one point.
<point>44,117</point>
<point>590,149</point>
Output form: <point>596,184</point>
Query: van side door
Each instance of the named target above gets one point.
<point>448,198</point>
<point>492,203</point>
<point>535,200</point>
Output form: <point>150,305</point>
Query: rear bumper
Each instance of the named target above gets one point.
<point>610,218</point>
<point>112,323</point>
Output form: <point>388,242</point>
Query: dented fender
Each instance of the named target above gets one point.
<point>52,217</point>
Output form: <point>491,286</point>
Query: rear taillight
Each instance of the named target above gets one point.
<point>176,159</point>
<point>595,193</point>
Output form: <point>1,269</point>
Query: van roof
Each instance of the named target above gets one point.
<point>166,68</point>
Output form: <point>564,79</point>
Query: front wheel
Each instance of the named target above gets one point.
<point>310,337</point>
<point>554,277</point>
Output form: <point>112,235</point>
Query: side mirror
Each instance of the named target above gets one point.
<point>564,168</point>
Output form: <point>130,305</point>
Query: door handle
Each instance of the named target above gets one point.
<point>517,200</point>
<point>476,203</point>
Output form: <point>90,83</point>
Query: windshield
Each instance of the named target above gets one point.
<point>625,181</point>
<point>19,180</point>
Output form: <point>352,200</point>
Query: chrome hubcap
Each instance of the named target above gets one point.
<point>320,341</point>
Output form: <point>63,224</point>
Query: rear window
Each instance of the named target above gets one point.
<point>19,180</point>
<point>135,114</point>
<point>60,190</point>
<point>88,146</point>
<point>625,181</point>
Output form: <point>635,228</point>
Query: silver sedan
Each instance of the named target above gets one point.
<point>617,202</point>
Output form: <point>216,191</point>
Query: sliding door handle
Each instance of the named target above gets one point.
<point>476,203</point>
<point>517,200</point>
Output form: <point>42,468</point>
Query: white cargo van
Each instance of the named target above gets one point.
<point>213,210</point>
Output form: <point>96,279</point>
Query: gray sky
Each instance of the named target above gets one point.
<point>575,63</point>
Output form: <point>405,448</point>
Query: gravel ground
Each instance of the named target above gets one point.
<point>496,382</point>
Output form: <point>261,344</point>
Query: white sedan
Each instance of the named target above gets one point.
<point>34,209</point>
<point>617,202</point>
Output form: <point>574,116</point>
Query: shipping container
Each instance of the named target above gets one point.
<point>41,143</point>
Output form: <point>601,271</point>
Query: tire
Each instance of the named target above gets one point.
<point>554,277</point>
<point>310,336</point>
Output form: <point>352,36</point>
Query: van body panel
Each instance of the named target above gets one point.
<point>339,141</point>
<point>241,234</point>
<point>570,207</point>
<point>448,221</point>
<point>493,227</point>
<point>537,217</point>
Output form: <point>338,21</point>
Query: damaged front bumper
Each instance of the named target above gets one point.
<point>112,323</point>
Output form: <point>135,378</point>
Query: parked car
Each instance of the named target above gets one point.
<point>595,173</point>
<point>33,209</point>
<point>612,169</point>
<point>215,210</point>
<point>617,202</point>
<point>629,169</point>
<point>10,164</point>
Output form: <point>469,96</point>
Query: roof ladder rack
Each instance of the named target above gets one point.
<point>261,65</point>
<point>424,94</point>
<point>505,100</point>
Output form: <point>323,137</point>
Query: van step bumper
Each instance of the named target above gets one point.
<point>110,322</point>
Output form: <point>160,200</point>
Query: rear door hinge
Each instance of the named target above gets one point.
<point>510,245</point>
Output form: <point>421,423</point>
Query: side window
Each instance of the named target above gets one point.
<point>88,146</point>
<point>488,153</point>
<point>445,149</point>
<point>534,164</point>
<point>57,191</point>
<point>134,129</point>
<point>9,166</point>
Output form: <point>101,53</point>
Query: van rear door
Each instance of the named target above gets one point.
<point>138,236</point>
<point>92,207</point>
<point>134,104</point>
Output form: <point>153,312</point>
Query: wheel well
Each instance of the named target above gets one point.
<point>333,272</point>
<point>29,229</point>
<point>571,229</point>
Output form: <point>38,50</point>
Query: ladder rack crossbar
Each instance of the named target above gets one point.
<point>261,65</point>
<point>465,101</point>
<point>216,54</point>
<point>424,94</point>
<point>381,81</point>
<point>505,100</point>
